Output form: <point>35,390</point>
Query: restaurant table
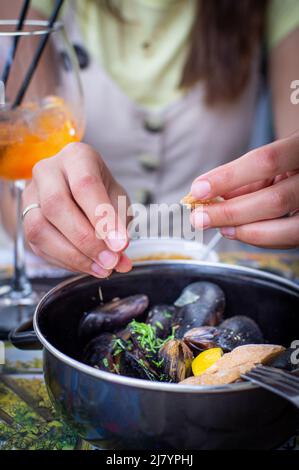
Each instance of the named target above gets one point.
<point>27,419</point>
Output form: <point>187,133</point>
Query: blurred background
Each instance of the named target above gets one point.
<point>174,88</point>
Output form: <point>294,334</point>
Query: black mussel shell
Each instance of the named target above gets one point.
<point>245,326</point>
<point>135,364</point>
<point>287,360</point>
<point>162,317</point>
<point>201,303</point>
<point>99,352</point>
<point>206,292</point>
<point>113,315</point>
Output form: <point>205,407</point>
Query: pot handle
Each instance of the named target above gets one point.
<point>24,337</point>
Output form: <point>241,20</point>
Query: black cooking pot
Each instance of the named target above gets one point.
<point>118,412</point>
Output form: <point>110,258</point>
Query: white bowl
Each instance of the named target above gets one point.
<point>168,248</point>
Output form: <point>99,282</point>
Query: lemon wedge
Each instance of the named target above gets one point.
<point>205,360</point>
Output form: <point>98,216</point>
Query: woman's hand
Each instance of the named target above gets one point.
<point>261,192</point>
<point>68,229</point>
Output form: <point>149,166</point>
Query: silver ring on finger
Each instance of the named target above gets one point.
<point>30,208</point>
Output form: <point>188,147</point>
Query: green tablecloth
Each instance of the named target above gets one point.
<point>27,420</point>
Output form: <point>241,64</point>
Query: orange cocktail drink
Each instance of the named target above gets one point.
<point>33,132</point>
<point>41,111</point>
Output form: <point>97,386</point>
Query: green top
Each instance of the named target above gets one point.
<point>282,19</point>
<point>146,62</point>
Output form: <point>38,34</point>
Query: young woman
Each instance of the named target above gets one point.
<point>171,88</point>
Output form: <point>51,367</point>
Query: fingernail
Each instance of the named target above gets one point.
<point>100,272</point>
<point>201,189</point>
<point>228,232</point>
<point>116,241</point>
<point>201,219</point>
<point>124,265</point>
<point>107,259</point>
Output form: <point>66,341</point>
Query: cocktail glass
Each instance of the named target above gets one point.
<point>49,117</point>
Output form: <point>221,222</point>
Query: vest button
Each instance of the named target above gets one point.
<point>149,163</point>
<point>153,124</point>
<point>145,197</point>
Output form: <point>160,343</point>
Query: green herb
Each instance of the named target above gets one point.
<point>118,347</point>
<point>165,378</point>
<point>116,368</point>
<point>142,363</point>
<point>158,364</point>
<point>117,352</point>
<point>105,362</point>
<point>149,343</point>
<point>162,342</point>
<point>167,314</point>
<point>146,336</point>
<point>159,325</point>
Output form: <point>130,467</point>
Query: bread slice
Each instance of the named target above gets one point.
<point>191,203</point>
<point>229,368</point>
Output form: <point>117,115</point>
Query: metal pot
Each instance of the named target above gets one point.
<point>116,412</point>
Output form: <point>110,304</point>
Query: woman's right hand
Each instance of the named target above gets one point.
<point>72,188</point>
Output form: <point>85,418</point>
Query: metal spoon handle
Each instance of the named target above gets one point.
<point>210,246</point>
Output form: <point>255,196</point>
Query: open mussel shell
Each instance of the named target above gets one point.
<point>162,317</point>
<point>206,337</point>
<point>177,360</point>
<point>244,326</point>
<point>112,315</point>
<point>201,303</point>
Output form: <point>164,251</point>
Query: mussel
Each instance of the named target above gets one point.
<point>99,353</point>
<point>206,337</point>
<point>162,317</point>
<point>244,326</point>
<point>177,360</point>
<point>112,315</point>
<point>135,364</point>
<point>145,351</point>
<point>288,360</point>
<point>201,303</point>
<point>120,354</point>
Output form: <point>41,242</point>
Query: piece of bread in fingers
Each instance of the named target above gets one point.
<point>191,203</point>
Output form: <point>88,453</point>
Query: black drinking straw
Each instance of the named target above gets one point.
<point>13,50</point>
<point>38,54</point>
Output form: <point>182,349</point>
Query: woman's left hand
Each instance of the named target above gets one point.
<point>261,192</point>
